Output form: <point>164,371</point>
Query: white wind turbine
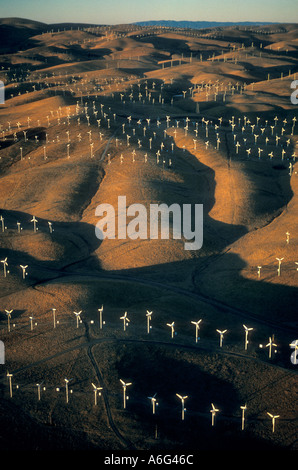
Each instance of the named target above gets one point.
<point>31,318</point>
<point>171,325</point>
<point>154,403</point>
<point>183,409</point>
<point>246,335</point>
<point>5,265</point>
<point>270,344</point>
<point>2,223</point>
<point>279,264</point>
<point>273,418</point>
<point>66,389</point>
<point>39,390</point>
<point>24,270</point>
<point>78,317</point>
<point>54,316</point>
<point>10,383</point>
<point>50,227</point>
<point>243,408</point>
<point>8,313</point>
<point>34,220</point>
<point>125,397</point>
<point>221,333</point>
<point>197,325</point>
<point>100,317</point>
<point>148,315</point>
<point>125,320</point>
<point>96,391</point>
<point>213,411</point>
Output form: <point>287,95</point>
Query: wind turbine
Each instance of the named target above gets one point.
<point>34,223</point>
<point>8,313</point>
<point>125,319</point>
<point>66,388</point>
<point>10,383</point>
<point>270,344</point>
<point>31,318</point>
<point>213,411</point>
<point>54,316</point>
<point>24,270</point>
<point>182,404</point>
<point>2,223</point>
<point>221,333</point>
<point>171,325</point>
<point>5,264</point>
<point>96,392</point>
<point>279,264</point>
<point>243,408</point>
<point>148,315</point>
<point>246,336</point>
<point>273,417</point>
<point>39,390</point>
<point>124,385</point>
<point>197,325</point>
<point>154,403</point>
<point>100,316</point>
<point>78,317</point>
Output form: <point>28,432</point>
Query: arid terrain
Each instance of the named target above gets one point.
<point>159,115</point>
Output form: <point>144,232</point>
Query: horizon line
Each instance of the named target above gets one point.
<point>260,22</point>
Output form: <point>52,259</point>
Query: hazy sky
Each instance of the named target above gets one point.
<point>128,11</point>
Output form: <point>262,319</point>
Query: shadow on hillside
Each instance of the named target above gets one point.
<point>201,389</point>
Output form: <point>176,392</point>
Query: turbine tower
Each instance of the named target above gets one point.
<point>24,270</point>
<point>270,344</point>
<point>213,411</point>
<point>124,385</point>
<point>78,317</point>
<point>5,264</point>
<point>34,223</point>
<point>243,408</point>
<point>8,313</point>
<point>279,265</point>
<point>183,409</point>
<point>273,418</point>
<point>66,389</point>
<point>148,315</point>
<point>221,333</point>
<point>197,325</point>
<point>125,320</point>
<point>171,325</point>
<point>246,336</point>
<point>10,383</point>
<point>100,316</point>
<point>96,391</point>
<point>154,403</point>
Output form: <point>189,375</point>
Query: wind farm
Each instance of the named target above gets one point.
<point>102,126</point>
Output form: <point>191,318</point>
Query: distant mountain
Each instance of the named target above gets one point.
<point>199,24</point>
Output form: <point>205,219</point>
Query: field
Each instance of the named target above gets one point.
<point>159,115</point>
